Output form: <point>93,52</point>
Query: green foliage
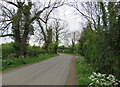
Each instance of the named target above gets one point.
<point>99,50</point>
<point>67,50</point>
<point>7,50</point>
<point>0,52</point>
<point>11,50</point>
<point>17,48</point>
<point>14,62</point>
<point>51,48</point>
<point>61,48</point>
<point>34,51</point>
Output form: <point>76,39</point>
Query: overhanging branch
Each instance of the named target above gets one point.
<point>12,3</point>
<point>6,35</point>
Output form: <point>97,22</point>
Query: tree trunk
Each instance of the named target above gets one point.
<point>104,17</point>
<point>24,39</point>
<point>16,32</point>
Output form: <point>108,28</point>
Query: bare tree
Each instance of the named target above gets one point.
<point>59,29</point>
<point>90,11</point>
<point>72,38</point>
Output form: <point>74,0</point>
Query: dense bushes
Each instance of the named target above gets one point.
<point>99,52</point>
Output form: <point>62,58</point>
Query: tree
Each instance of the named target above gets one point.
<point>21,21</point>
<point>72,37</point>
<point>51,33</point>
<point>59,29</point>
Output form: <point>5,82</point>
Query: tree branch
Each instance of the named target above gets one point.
<point>42,29</point>
<point>8,10</point>
<point>38,13</point>
<point>4,20</point>
<point>6,13</point>
<point>7,25</point>
<point>12,3</point>
<point>87,17</point>
<point>6,35</point>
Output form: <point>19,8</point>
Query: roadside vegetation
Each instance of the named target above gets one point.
<point>33,54</point>
<point>15,62</point>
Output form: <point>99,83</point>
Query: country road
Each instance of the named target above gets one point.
<point>53,71</point>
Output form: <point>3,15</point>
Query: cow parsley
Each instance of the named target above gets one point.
<point>98,79</point>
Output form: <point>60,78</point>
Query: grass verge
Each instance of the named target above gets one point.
<point>83,71</point>
<point>15,62</point>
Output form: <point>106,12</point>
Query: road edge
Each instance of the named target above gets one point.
<point>72,75</point>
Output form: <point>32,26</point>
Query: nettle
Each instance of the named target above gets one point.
<point>98,80</point>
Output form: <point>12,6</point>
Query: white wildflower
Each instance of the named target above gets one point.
<point>94,73</point>
<point>111,76</point>
<point>97,81</point>
<point>116,84</point>
<point>103,75</point>
<point>91,77</point>
<point>99,75</point>
<point>91,83</point>
<point>101,79</point>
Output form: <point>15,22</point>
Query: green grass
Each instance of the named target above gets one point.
<point>83,71</point>
<point>15,62</point>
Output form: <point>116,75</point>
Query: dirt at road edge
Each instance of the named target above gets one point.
<point>72,76</point>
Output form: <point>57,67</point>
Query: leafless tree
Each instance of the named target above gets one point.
<point>72,37</point>
<point>90,11</point>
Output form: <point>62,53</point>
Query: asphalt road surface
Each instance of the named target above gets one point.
<point>53,71</point>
